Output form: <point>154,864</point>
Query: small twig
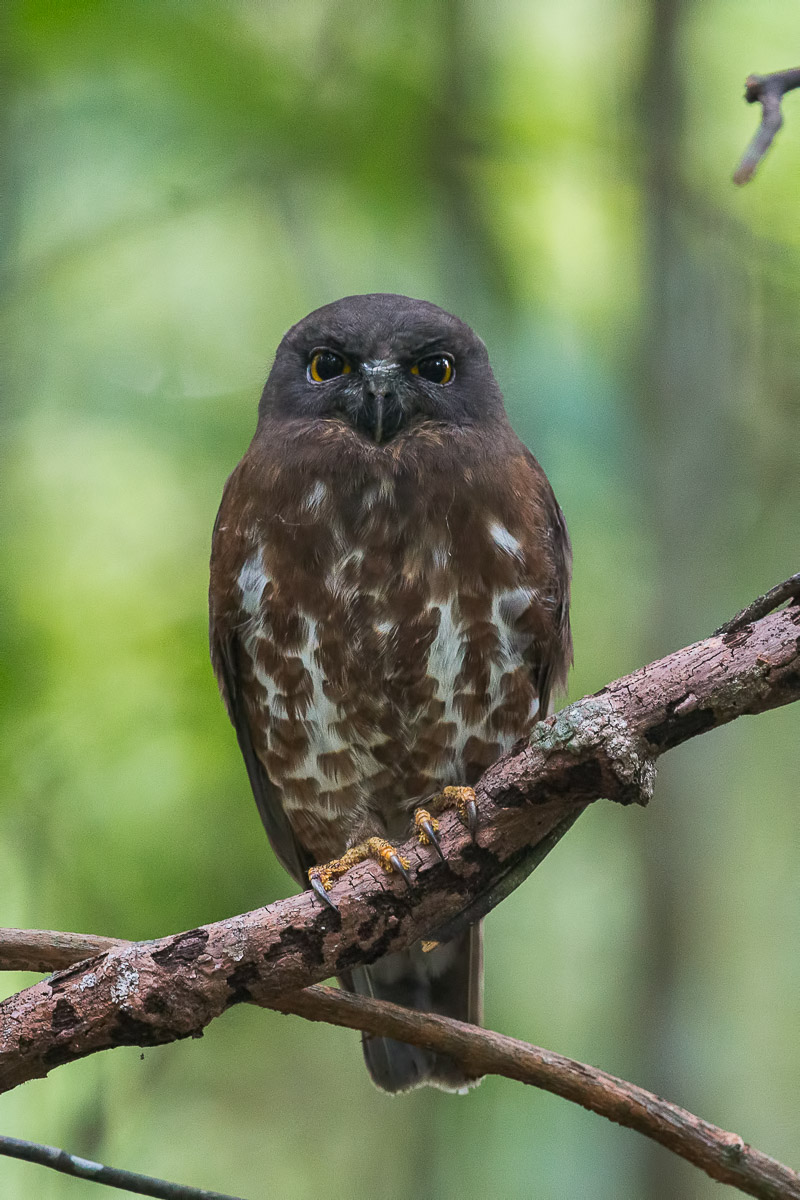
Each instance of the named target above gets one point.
<point>722,1155</point>
<point>768,91</point>
<point>128,1181</point>
<point>774,598</point>
<point>49,950</point>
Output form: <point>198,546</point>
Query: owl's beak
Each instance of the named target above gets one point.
<point>381,413</point>
<point>377,412</point>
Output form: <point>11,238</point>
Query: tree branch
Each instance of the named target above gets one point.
<point>774,598</point>
<point>94,1172</point>
<point>722,1155</point>
<point>48,950</point>
<point>768,91</point>
<point>604,745</point>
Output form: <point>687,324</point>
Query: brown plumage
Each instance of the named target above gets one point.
<point>389,606</point>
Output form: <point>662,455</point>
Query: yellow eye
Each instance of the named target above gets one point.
<point>326,364</point>
<point>437,368</point>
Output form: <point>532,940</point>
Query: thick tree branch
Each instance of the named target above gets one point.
<point>768,91</point>
<point>722,1155</point>
<point>603,745</point>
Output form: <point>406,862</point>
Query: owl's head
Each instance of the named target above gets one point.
<point>383,363</point>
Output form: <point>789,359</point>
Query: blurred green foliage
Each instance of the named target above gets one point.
<point>181,183</point>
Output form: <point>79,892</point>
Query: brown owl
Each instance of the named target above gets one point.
<point>389,599</point>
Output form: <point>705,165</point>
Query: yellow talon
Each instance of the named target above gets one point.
<point>422,818</point>
<point>462,799</point>
<point>323,875</point>
<point>459,798</point>
<point>385,853</point>
<point>378,848</point>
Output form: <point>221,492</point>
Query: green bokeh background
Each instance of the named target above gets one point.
<point>182,181</point>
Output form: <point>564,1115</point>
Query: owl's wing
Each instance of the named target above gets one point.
<point>229,548</point>
<point>553,666</point>
<point>226,659</point>
<point>549,655</point>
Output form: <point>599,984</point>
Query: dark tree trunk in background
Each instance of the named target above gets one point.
<point>682,393</point>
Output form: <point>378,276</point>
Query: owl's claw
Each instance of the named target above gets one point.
<point>322,878</point>
<point>432,836</point>
<point>471,812</point>
<point>319,887</point>
<point>462,799</point>
<point>399,864</point>
<point>427,827</point>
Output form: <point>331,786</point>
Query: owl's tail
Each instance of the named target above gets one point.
<point>447,979</point>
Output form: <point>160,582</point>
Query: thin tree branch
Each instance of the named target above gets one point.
<point>774,598</point>
<point>83,1168</point>
<point>768,91</point>
<point>48,950</point>
<point>604,745</point>
<point>722,1155</point>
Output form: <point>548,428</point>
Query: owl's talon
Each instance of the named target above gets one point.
<point>319,887</point>
<point>323,877</point>
<point>471,812</point>
<point>427,827</point>
<point>399,864</point>
<point>462,799</point>
<point>433,838</point>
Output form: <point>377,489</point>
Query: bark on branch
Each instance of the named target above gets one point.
<point>602,746</point>
<point>722,1155</point>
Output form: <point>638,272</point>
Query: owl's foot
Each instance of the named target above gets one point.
<point>462,799</point>
<point>323,878</point>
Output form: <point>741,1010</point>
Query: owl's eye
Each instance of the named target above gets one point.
<point>438,368</point>
<point>326,364</point>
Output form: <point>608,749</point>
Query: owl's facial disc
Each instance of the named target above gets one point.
<point>385,365</point>
<point>377,396</point>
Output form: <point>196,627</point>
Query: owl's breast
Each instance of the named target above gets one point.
<point>384,668</point>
